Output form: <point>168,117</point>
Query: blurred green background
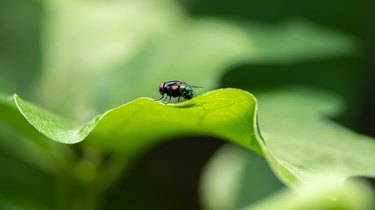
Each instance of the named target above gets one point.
<point>167,177</point>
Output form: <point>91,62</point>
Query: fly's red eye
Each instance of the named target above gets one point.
<point>161,87</point>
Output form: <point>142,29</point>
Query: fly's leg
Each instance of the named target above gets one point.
<point>178,99</point>
<point>162,96</point>
<point>170,97</point>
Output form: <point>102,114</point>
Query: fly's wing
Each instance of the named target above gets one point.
<point>185,84</point>
<point>176,84</point>
<point>194,86</point>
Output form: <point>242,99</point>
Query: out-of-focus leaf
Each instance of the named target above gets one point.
<point>234,178</point>
<point>20,54</point>
<point>93,48</point>
<point>15,144</point>
<point>296,40</point>
<point>229,183</point>
<point>16,203</point>
<point>320,195</point>
<point>303,143</point>
<point>24,185</point>
<point>226,113</point>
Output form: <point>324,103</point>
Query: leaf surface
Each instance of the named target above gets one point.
<point>320,195</point>
<point>235,179</point>
<point>302,141</point>
<point>226,113</point>
<point>302,144</point>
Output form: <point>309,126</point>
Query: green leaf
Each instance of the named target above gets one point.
<point>303,143</point>
<point>235,177</point>
<point>227,113</point>
<point>54,126</point>
<point>320,195</point>
<point>296,40</point>
<point>16,202</point>
<point>299,142</point>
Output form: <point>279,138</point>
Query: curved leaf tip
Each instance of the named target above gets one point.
<point>51,125</point>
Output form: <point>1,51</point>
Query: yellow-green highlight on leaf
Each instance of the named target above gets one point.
<point>52,125</point>
<point>226,113</point>
<point>320,194</point>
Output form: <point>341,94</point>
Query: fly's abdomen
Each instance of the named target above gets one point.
<point>186,91</point>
